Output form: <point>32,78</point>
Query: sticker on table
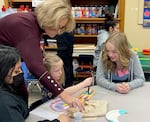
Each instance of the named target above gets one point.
<point>112,116</point>
<point>58,105</point>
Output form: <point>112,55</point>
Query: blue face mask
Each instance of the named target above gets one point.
<point>18,80</point>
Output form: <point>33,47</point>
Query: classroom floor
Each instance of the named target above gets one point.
<point>34,94</point>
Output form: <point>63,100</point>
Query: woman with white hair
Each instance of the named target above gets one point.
<point>24,31</point>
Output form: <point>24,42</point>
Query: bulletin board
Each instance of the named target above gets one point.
<point>146,13</point>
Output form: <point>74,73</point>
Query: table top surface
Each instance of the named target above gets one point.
<point>136,103</point>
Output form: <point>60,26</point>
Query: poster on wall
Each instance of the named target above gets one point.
<point>146,13</point>
<point>36,2</point>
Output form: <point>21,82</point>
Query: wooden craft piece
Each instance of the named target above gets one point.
<point>93,108</point>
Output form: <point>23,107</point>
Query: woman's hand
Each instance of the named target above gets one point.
<point>71,101</point>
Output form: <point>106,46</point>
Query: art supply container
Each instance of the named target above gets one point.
<point>77,117</point>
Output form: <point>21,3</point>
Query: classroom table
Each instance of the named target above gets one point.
<point>136,103</point>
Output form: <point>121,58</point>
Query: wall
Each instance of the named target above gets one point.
<point>1,3</point>
<point>136,34</point>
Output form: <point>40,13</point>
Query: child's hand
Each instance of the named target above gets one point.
<point>88,81</point>
<point>123,88</point>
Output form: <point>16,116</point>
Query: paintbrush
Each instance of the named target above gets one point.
<point>92,75</point>
<point>88,89</point>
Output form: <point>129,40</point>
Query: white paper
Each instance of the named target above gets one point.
<point>44,111</point>
<point>44,114</point>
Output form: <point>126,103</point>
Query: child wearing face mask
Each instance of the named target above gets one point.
<point>13,92</point>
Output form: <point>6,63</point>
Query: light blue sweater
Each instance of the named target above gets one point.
<point>136,74</point>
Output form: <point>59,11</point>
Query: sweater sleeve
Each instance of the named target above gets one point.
<point>29,47</point>
<point>32,56</point>
<point>137,74</point>
<point>101,79</point>
<point>25,36</point>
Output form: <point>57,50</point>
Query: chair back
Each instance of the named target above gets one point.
<point>85,68</point>
<point>29,78</point>
<point>27,74</point>
<point>86,59</point>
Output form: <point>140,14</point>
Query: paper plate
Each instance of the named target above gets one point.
<point>112,116</point>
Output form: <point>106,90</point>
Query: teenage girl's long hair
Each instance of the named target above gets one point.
<point>119,40</point>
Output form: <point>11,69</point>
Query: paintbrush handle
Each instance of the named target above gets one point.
<point>92,75</point>
<point>88,89</point>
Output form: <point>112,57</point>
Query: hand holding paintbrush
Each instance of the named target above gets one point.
<point>88,89</point>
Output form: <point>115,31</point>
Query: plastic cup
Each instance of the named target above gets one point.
<point>77,117</point>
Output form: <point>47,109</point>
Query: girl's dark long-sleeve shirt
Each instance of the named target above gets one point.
<point>12,107</point>
<point>13,104</point>
<point>21,30</point>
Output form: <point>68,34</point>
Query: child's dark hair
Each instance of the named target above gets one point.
<point>110,21</point>
<point>9,56</point>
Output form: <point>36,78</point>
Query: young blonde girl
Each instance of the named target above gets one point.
<point>54,65</point>
<point>119,68</point>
